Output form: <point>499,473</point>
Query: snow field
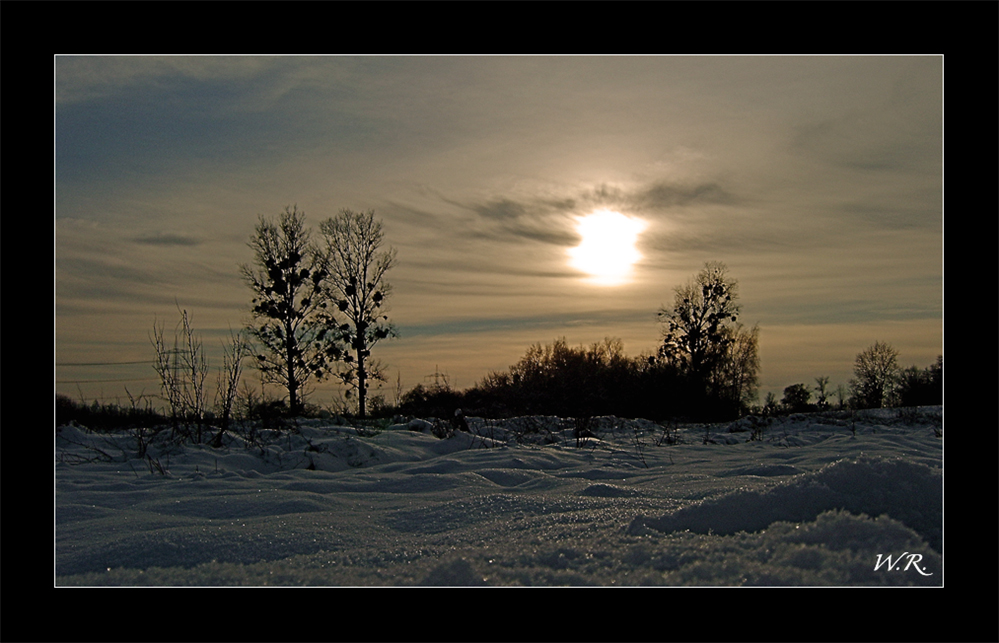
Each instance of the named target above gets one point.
<point>809,500</point>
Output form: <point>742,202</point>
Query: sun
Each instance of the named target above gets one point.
<point>607,252</point>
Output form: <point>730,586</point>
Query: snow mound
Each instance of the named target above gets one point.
<point>838,548</point>
<point>910,493</point>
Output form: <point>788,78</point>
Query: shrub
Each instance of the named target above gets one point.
<point>796,398</point>
<point>584,381</point>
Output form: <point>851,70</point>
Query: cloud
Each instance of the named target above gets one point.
<point>549,219</point>
<point>663,195</point>
<point>84,78</point>
<point>894,216</point>
<point>167,239</point>
<point>534,219</point>
<point>501,210</point>
<point>547,323</point>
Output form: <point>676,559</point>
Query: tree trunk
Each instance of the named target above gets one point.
<point>362,383</point>
<point>292,382</point>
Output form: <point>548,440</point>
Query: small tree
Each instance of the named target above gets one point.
<point>822,392</point>
<point>167,368</point>
<point>796,398</point>
<point>841,396</point>
<point>876,376</point>
<point>196,367</point>
<point>770,406</point>
<point>228,380</point>
<point>182,371</point>
<point>292,316</point>
<point>355,270</point>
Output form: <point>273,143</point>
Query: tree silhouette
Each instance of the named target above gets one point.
<point>695,326</point>
<point>821,392</point>
<point>182,373</point>
<point>876,376</point>
<point>919,387</point>
<point>715,355</point>
<point>796,398</point>
<point>355,269</point>
<point>735,376</point>
<point>291,312</point>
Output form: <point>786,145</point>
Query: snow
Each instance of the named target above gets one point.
<point>804,500</point>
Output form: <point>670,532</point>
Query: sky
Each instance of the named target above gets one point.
<point>817,180</point>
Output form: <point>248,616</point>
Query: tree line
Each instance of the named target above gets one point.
<point>707,366</point>
<point>318,308</point>
<point>878,382</point>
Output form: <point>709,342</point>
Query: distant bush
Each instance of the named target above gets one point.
<point>436,400</point>
<point>921,387</point>
<point>584,381</point>
<point>879,382</point>
<point>100,416</point>
<point>796,399</point>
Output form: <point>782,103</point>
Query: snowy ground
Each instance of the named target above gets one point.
<point>820,499</point>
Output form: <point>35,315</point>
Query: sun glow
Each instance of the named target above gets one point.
<point>607,251</point>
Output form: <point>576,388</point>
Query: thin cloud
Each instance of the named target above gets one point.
<point>501,210</point>
<point>539,323</point>
<point>167,239</point>
<point>663,195</point>
<point>545,219</point>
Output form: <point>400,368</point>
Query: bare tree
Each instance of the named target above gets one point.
<point>182,371</point>
<point>196,370</point>
<point>228,379</point>
<point>876,376</point>
<point>292,316</point>
<point>736,374</point>
<point>167,369</point>
<point>822,392</point>
<point>356,267</point>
